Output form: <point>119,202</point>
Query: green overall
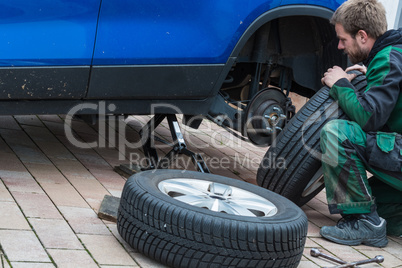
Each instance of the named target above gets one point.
<point>370,141</point>
<point>347,154</point>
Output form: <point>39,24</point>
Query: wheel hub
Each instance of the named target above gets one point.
<point>273,118</point>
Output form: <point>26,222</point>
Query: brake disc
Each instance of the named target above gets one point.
<point>265,116</point>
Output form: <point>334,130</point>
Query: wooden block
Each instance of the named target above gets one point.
<point>109,207</point>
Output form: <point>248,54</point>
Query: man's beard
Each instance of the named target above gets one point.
<point>358,55</point>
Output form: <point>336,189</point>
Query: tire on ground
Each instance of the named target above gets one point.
<point>178,234</point>
<point>292,166</point>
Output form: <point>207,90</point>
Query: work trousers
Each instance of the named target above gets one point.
<point>347,154</point>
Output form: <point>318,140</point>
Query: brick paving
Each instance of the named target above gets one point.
<point>51,190</point>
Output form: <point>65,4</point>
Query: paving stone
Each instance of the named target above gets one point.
<point>12,217</point>
<point>32,265</point>
<point>8,122</point>
<point>55,151</point>
<point>15,137</point>
<point>322,241</point>
<point>82,127</point>
<point>318,218</point>
<point>71,258</point>
<point>64,194</point>
<point>5,195</point>
<point>389,259</point>
<point>118,266</point>
<point>84,221</point>
<point>113,229</point>
<point>57,128</point>
<point>20,182</point>
<point>92,160</point>
<point>89,188</point>
<point>50,118</point>
<point>40,134</point>
<point>109,179</point>
<point>393,248</point>
<point>106,250</point>
<point>55,233</point>
<point>22,246</point>
<point>29,153</point>
<point>46,173</point>
<point>396,239</point>
<point>111,156</point>
<point>144,261</point>
<point>4,263</point>
<point>311,244</point>
<point>37,205</point>
<point>70,167</point>
<point>30,120</point>
<point>10,162</point>
<point>307,264</point>
<point>322,197</point>
<point>16,174</point>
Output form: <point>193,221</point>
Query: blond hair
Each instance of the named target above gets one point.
<point>367,15</point>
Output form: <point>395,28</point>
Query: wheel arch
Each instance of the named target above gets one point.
<point>307,66</point>
<point>282,11</point>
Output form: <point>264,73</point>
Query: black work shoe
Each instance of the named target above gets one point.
<point>354,230</point>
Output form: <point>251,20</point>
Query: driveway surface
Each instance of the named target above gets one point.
<point>51,188</point>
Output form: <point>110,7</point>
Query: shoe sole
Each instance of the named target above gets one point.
<point>375,242</point>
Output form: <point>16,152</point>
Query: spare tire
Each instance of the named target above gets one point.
<point>192,219</point>
<point>292,165</point>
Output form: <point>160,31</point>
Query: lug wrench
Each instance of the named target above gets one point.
<point>377,259</point>
<point>315,252</point>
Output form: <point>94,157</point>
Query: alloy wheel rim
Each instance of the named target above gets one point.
<point>218,197</point>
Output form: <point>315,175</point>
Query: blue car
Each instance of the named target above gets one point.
<point>195,55</point>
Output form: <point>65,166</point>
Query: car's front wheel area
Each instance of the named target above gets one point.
<point>287,53</point>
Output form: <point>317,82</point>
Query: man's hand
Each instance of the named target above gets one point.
<point>357,67</point>
<point>334,74</point>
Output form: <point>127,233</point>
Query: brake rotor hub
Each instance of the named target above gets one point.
<point>274,118</point>
<point>265,116</point>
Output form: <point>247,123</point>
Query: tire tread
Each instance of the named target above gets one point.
<point>290,145</point>
<point>182,238</point>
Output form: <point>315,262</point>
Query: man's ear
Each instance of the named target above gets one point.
<point>362,36</point>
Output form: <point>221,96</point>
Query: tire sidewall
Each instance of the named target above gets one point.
<point>149,180</point>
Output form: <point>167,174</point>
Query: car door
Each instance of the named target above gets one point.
<point>46,48</point>
<point>167,49</point>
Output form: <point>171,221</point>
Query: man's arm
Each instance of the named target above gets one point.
<point>372,108</point>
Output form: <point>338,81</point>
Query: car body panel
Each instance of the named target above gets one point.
<point>183,44</point>
<point>330,4</point>
<point>154,81</point>
<point>173,32</point>
<point>46,49</point>
<point>38,83</point>
<point>47,32</point>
